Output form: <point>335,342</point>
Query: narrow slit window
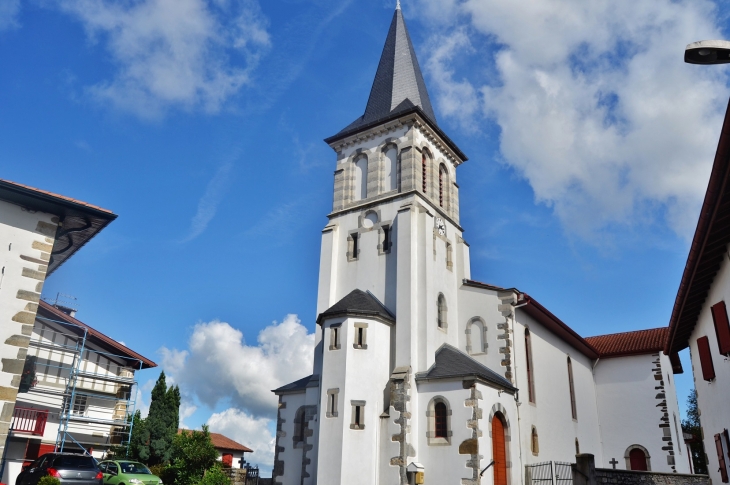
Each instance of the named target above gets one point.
<point>386,239</point>
<point>528,365</point>
<point>332,403</point>
<point>335,337</point>
<point>358,415</point>
<point>355,248</point>
<point>360,336</point>
<point>573,409</point>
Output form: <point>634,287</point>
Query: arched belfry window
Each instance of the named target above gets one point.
<point>361,178</point>
<point>529,367</point>
<point>443,179</point>
<point>441,428</point>
<point>441,310</point>
<point>424,170</point>
<point>390,160</point>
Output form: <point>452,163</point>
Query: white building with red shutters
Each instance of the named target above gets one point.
<point>421,371</point>
<point>700,319</point>
<point>62,383</point>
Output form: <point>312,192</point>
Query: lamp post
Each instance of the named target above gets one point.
<point>708,52</point>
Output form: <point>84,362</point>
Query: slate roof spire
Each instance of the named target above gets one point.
<point>399,84</point>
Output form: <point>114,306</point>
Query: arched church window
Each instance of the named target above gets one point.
<point>439,422</point>
<point>391,168</point>
<point>637,458</point>
<point>573,409</point>
<point>361,178</point>
<point>443,178</point>
<point>476,336</point>
<point>577,447</point>
<point>442,321</point>
<point>528,366</point>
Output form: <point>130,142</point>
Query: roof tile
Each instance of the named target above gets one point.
<point>630,343</point>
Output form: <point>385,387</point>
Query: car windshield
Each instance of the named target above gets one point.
<point>134,468</point>
<point>71,461</point>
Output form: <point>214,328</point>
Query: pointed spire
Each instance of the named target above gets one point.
<point>399,84</point>
<point>397,5</point>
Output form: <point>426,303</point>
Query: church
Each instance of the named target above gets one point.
<point>423,374</point>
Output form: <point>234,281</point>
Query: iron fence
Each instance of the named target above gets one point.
<point>549,473</point>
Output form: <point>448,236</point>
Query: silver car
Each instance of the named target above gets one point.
<point>69,468</point>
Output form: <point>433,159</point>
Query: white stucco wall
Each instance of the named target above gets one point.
<point>628,402</point>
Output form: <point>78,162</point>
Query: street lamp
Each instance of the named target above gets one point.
<point>708,52</point>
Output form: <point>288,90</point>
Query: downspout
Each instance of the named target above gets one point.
<point>517,394</point>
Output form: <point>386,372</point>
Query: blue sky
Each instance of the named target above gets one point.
<point>201,123</point>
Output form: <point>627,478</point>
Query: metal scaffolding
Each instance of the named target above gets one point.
<point>75,396</point>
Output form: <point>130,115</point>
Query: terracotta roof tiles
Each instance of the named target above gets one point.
<point>57,196</point>
<point>630,343</point>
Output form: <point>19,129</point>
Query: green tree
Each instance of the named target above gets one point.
<point>193,454</point>
<point>215,476</point>
<point>139,440</point>
<point>161,423</point>
<point>692,426</point>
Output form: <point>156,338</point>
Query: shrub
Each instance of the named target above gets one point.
<point>192,454</point>
<point>49,480</point>
<point>215,476</point>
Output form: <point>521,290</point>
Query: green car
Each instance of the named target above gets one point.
<point>123,472</point>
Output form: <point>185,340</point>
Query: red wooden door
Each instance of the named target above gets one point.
<point>638,460</point>
<point>498,452</point>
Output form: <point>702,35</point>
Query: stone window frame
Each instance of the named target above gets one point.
<point>534,441</point>
<point>332,401</point>
<point>442,313</point>
<point>431,418</point>
<point>637,447</point>
<point>469,344</point>
<point>363,345</point>
<point>336,336</point>
<point>443,192</point>
<point>355,405</point>
<point>353,246</point>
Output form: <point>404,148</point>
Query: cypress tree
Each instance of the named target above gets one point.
<point>162,422</point>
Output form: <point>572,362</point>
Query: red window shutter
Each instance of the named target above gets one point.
<point>722,327</point>
<point>708,370</point>
<point>727,441</point>
<point>721,458</point>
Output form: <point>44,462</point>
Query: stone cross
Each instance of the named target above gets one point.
<point>613,463</point>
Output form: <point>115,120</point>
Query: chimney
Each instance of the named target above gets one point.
<point>71,312</point>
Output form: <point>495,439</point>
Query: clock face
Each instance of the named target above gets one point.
<point>440,226</point>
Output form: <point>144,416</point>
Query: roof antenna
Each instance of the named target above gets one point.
<point>397,5</point>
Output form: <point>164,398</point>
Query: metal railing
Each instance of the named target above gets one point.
<point>29,420</point>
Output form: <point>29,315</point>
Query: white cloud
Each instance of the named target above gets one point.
<point>208,204</point>
<point>187,409</point>
<point>189,54</point>
<point>596,107</point>
<point>9,14</point>
<point>220,366</point>
<point>249,431</point>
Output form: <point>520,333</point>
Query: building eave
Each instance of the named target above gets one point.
<point>412,116</point>
<point>79,221</point>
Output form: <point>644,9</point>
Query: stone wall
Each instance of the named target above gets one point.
<point>608,476</point>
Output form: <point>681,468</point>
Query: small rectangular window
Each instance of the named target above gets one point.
<point>332,402</point>
<point>385,239</point>
<point>80,406</point>
<point>358,415</point>
<point>722,327</point>
<point>449,256</point>
<point>360,341</point>
<point>708,369</point>
<point>353,246</point>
